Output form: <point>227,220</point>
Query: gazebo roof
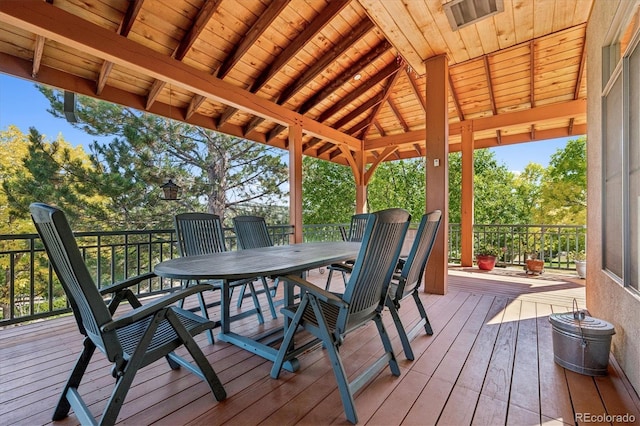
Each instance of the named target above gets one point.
<point>351,72</point>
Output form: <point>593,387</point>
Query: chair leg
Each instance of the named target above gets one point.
<point>388,348</point>
<point>205,370</point>
<point>205,314</point>
<point>256,302</point>
<point>423,313</point>
<point>288,337</point>
<point>125,377</point>
<point>404,339</point>
<point>326,287</point>
<point>63,407</point>
<point>336,362</point>
<point>269,297</point>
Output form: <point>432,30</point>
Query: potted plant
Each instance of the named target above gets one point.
<point>533,265</point>
<point>580,259</point>
<point>486,257</point>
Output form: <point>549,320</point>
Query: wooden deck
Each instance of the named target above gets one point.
<point>489,362</point>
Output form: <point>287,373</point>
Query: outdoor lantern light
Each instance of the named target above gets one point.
<point>171,191</point>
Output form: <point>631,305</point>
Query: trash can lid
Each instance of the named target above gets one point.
<point>589,325</point>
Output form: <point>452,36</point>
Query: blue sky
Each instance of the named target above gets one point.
<point>22,105</point>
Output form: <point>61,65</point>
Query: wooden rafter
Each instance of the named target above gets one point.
<point>391,82</point>
<point>372,102</point>
<point>205,14</point>
<point>357,68</point>
<point>416,90</point>
<point>154,91</point>
<point>37,55</point>
<point>126,24</point>
<point>456,101</point>
<point>398,115</point>
<point>532,72</point>
<point>249,39</point>
<point>315,26</point>
<point>203,17</point>
<point>306,77</point>
<point>379,77</point>
<point>576,90</point>
<point>494,108</point>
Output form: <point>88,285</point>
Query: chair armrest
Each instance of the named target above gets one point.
<point>120,285</point>
<point>154,306</point>
<point>318,292</point>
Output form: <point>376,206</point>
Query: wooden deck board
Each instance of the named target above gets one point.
<point>489,361</point>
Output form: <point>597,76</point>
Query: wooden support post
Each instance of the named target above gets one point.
<point>295,181</point>
<point>466,217</point>
<point>361,184</point>
<point>437,194</point>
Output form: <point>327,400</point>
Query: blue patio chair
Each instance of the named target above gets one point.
<point>330,317</point>
<point>135,339</point>
<point>202,233</point>
<point>356,233</point>
<point>252,232</point>
<point>407,282</point>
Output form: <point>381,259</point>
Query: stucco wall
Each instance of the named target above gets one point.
<point>606,298</point>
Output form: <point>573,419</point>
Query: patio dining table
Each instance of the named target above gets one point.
<point>265,261</point>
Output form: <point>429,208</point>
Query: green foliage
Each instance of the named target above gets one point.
<point>399,184</point>
<point>328,192</point>
<point>495,190</point>
<point>217,173</point>
<point>488,250</point>
<point>563,192</point>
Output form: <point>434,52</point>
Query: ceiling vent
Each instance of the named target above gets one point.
<point>466,12</point>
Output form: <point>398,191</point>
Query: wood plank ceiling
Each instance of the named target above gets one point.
<point>351,71</point>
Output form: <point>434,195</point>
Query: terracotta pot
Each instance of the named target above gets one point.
<point>486,263</point>
<point>535,266</point>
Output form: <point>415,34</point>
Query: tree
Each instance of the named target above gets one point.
<point>563,193</point>
<point>328,192</point>
<point>495,194</point>
<point>399,184</point>
<point>219,171</point>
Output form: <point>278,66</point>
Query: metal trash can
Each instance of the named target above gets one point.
<point>581,343</point>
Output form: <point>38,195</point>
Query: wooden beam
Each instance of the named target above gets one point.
<point>154,92</point>
<point>398,115</point>
<point>250,38</point>
<point>332,9</point>
<point>416,90</point>
<point>379,77</point>
<point>487,72</point>
<point>130,17</point>
<point>63,27</point>
<point>126,24</point>
<point>356,68</point>
<point>206,12</point>
<point>37,55</point>
<point>354,35</point>
<point>566,110</point>
<point>532,72</point>
<point>456,100</point>
<point>467,202</point>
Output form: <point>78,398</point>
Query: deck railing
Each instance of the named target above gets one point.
<point>29,289</point>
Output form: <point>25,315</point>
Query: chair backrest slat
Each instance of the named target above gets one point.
<point>89,308</point>
<point>252,232</point>
<point>366,290</point>
<point>413,269</point>
<point>199,233</point>
<point>358,226</point>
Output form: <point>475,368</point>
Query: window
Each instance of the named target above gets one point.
<point>621,148</point>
